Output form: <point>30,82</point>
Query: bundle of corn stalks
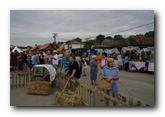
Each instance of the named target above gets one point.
<point>103,84</point>
<point>39,87</point>
<point>68,98</point>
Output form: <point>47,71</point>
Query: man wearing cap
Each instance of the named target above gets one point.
<point>111,74</point>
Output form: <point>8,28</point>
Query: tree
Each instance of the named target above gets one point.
<point>149,34</point>
<point>118,37</point>
<point>77,39</point>
<point>108,37</point>
<point>99,39</point>
<point>133,41</point>
<point>88,44</point>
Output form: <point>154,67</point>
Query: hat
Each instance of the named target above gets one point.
<point>93,56</point>
<point>110,59</point>
<point>55,51</point>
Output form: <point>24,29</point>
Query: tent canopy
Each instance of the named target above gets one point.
<point>18,49</point>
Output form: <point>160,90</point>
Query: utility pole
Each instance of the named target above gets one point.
<point>54,37</point>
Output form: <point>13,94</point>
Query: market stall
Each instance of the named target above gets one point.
<point>140,59</point>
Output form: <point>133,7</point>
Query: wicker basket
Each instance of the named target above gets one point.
<point>39,88</point>
<point>68,98</point>
<point>103,84</point>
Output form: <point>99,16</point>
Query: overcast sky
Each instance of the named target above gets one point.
<point>36,27</point>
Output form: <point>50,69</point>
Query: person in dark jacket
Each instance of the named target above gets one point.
<point>74,70</point>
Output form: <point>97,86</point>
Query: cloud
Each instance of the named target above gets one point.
<point>31,26</point>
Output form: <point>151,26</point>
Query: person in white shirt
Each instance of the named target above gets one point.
<point>55,59</point>
<point>45,57</point>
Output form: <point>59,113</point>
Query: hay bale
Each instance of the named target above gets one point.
<point>38,87</point>
<point>103,84</point>
<point>68,98</point>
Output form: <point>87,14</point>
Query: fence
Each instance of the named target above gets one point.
<point>90,96</point>
<point>20,79</point>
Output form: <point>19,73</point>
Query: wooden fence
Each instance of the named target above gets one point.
<point>89,95</point>
<point>92,96</point>
<point>20,79</point>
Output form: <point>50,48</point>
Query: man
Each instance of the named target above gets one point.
<point>111,74</point>
<point>74,70</point>
<point>65,61</point>
<point>55,59</point>
<point>33,58</point>
<point>49,57</point>
<point>37,58</point>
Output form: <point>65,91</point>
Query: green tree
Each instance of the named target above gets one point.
<point>150,34</point>
<point>88,44</point>
<point>132,41</point>
<point>109,37</point>
<point>99,39</point>
<point>118,37</point>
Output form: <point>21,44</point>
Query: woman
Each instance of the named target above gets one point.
<point>111,74</point>
<point>93,70</point>
<point>84,66</point>
<point>103,62</point>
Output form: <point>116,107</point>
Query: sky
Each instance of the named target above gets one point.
<point>30,27</point>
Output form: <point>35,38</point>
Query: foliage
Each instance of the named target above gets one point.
<point>150,34</point>
<point>88,44</point>
<point>99,39</point>
<point>118,37</point>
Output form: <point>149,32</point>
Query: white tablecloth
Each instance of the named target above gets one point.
<point>138,64</point>
<point>151,67</point>
<point>50,69</point>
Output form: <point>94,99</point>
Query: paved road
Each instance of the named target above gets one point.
<point>18,97</point>
<point>140,86</point>
<point>137,85</point>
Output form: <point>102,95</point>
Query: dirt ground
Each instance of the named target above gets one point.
<point>136,85</point>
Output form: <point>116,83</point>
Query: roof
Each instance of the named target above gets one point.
<point>45,46</point>
<point>143,39</point>
<point>33,48</point>
<point>110,43</point>
<point>61,48</point>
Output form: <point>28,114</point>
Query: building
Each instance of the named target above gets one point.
<point>74,44</point>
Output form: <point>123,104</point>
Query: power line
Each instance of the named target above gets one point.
<point>132,28</point>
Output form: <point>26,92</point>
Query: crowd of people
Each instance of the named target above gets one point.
<point>23,60</point>
<point>73,65</point>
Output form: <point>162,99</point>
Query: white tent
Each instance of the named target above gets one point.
<point>18,49</point>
